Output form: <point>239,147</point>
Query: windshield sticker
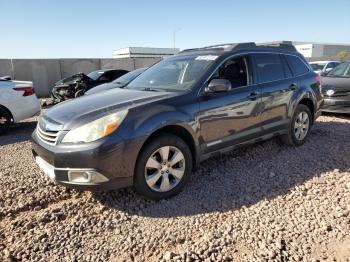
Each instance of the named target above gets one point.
<point>207,57</point>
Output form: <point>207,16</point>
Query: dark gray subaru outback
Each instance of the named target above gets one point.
<point>199,103</point>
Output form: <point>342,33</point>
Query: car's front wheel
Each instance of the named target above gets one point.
<point>5,120</point>
<point>299,126</point>
<point>163,167</point>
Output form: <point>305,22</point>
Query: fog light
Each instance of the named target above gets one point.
<point>79,176</point>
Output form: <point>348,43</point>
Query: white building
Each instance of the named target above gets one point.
<point>142,52</point>
<point>320,50</point>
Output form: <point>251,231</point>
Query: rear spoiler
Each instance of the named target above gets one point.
<point>5,78</point>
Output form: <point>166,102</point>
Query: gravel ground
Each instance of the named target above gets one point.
<point>263,203</point>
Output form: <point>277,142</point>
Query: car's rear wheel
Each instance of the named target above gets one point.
<point>163,167</point>
<point>5,120</point>
<point>79,93</point>
<point>299,127</point>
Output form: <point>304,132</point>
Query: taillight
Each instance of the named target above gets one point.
<point>319,82</point>
<point>318,79</point>
<point>28,91</point>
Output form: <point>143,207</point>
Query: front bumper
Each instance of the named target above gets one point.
<point>337,104</point>
<point>106,157</point>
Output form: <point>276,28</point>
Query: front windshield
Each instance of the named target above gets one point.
<point>173,74</point>
<point>342,70</point>
<point>124,79</point>
<point>94,75</point>
<point>317,66</point>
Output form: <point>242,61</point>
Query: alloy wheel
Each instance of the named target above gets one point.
<point>301,125</point>
<point>165,168</point>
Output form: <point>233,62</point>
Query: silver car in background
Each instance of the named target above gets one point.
<point>323,67</point>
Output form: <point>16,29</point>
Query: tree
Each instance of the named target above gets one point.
<point>342,55</point>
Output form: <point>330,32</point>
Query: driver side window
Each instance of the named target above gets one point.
<point>235,70</point>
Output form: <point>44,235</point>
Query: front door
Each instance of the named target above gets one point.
<point>231,117</point>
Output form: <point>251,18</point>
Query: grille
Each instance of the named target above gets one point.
<point>341,93</point>
<point>49,137</point>
<point>338,93</point>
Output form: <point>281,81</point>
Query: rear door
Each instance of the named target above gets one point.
<point>277,86</point>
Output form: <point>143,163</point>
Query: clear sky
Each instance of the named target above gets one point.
<point>83,28</point>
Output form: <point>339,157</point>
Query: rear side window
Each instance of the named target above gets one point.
<point>269,67</point>
<point>111,75</point>
<point>118,73</point>
<point>287,71</point>
<point>297,65</point>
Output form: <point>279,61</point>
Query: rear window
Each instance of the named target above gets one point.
<point>297,65</point>
<point>316,67</point>
<point>269,67</point>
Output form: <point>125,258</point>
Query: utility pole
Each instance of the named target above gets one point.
<point>174,37</point>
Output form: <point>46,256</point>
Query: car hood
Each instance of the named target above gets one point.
<point>339,83</point>
<point>72,113</point>
<point>103,87</point>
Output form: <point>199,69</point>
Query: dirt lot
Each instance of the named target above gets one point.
<point>266,202</point>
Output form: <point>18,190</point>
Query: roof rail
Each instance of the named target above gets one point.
<point>220,47</point>
<point>242,46</point>
<point>288,47</point>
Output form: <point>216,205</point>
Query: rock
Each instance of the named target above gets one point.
<point>261,203</point>
<point>168,256</point>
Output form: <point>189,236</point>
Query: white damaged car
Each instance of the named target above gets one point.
<point>17,102</point>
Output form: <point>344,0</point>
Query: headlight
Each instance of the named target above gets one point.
<point>96,129</point>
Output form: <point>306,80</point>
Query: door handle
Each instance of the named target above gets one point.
<point>293,87</point>
<point>253,95</point>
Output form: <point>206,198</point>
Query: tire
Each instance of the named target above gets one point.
<point>79,93</point>
<point>152,172</point>
<point>295,138</point>
<point>5,120</point>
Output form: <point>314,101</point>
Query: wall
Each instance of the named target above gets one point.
<point>5,67</point>
<point>333,50</point>
<point>44,73</point>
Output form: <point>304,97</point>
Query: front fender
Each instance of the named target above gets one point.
<point>145,122</point>
<point>162,116</point>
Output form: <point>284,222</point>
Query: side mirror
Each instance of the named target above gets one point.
<point>218,85</point>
